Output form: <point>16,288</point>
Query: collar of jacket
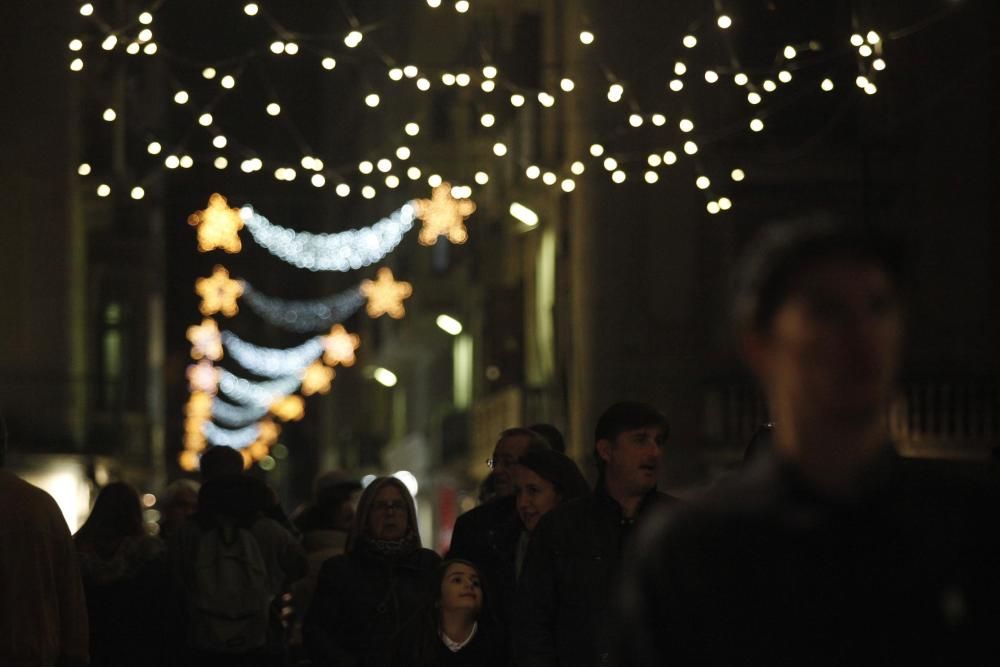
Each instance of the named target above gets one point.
<point>604,501</point>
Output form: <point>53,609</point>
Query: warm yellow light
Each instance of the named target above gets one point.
<point>181,97</point>
<point>206,341</point>
<point>86,9</point>
<point>396,74</point>
<point>654,160</point>
<point>669,157</point>
<point>524,214</point>
<point>434,4</point>
<point>109,42</point>
<point>753,98</point>
<point>784,76</point>
<point>481,178</point>
<point>878,64</point>
<point>219,293</point>
<point>789,52</point>
<point>596,150</point>
<point>577,168</point>
<point>517,100</point>
<point>423,84</point>
<point>741,79</point>
<point>251,9</point>
<point>713,207</point>
<point>109,115</point>
<point>586,37</point>
<point>857,40</point>
<point>273,109</point>
<point>549,178</point>
<point>186,162</point>
<point>462,6</point>
<point>488,86</point>
<point>385,377</point>
<point>291,48</point>
<point>651,177</point>
<point>144,35</point>
<point>435,180</point>
<point>132,48</point>
<point>372,100</point>
<point>149,49</point>
<point>724,22</point>
<point>487,120</point>
<point>342,189</point>
<point>635,120</point>
<point>384,165</point>
<point>711,76</point>
<point>685,125</point>
<point>545,99</point>
<point>328,63</point>
<point>103,190</point>
<point>220,162</point>
<point>676,85</point>
<point>873,37</point>
<point>615,92</point>
<point>413,173</point>
<point>448,79</point>
<point>861,81</point>
<point>138,192</point>
<point>227,82</point>
<point>865,50</point>
<point>287,408</point>
<point>690,41</point>
<point>172,162</point>
<point>83,169</point>
<point>385,294</point>
<point>318,180</point>
<point>702,182</point>
<point>219,141</point>
<point>368,192</point>
<point>412,129</point>
<point>499,149</point>
<point>205,119</point>
<point>871,89</point>
<point>443,215</point>
<point>756,125</point>
<point>725,203</point>
<point>690,147</point>
<point>618,176</point>
<point>366,167</point>
<point>490,72</point>
<point>567,85</point>
<point>76,65</point>
<point>317,378</point>
<point>826,85</point>
<point>208,73</point>
<point>218,225</point>
<point>658,119</point>
<point>680,68</point>
<point>532,172</point>
<point>463,79</point>
<point>737,174</point>
<point>145,18</point>
<point>353,38</point>
<point>75,45</point>
<point>770,86</point>
<point>610,163</point>
<point>449,324</point>
<point>392,181</point>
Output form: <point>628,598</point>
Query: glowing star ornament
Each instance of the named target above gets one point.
<point>218,293</point>
<point>316,378</point>
<point>289,409</point>
<point>340,346</point>
<point>203,378</point>
<point>218,226</point>
<point>443,215</point>
<point>199,405</point>
<point>206,341</point>
<point>385,294</point>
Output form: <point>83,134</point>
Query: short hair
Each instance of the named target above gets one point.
<point>625,416</point>
<point>559,470</point>
<point>218,461</point>
<point>535,440</point>
<point>553,435</point>
<point>779,254</point>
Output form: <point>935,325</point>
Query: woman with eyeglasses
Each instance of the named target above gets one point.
<point>364,595</point>
<point>456,627</point>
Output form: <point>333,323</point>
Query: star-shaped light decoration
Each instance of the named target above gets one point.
<point>268,435</point>
<point>203,379</point>
<point>340,346</point>
<point>290,408</point>
<point>199,405</point>
<point>385,295</point>
<point>443,215</point>
<point>206,341</point>
<point>218,293</point>
<point>316,378</point>
<point>218,225</point>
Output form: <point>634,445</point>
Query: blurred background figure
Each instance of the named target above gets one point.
<point>364,595</point>
<point>552,435</point>
<point>180,500</point>
<point>125,578</point>
<point>455,627</point>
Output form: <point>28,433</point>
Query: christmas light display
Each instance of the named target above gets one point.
<point>343,251</point>
<point>303,316</point>
<point>385,295</point>
<point>243,391</point>
<point>223,437</point>
<point>289,408</point>
<point>317,379</point>
<point>339,346</point>
<point>218,226</point>
<point>236,415</point>
<point>218,293</point>
<point>206,342</point>
<point>270,362</point>
<point>203,378</point>
<point>443,215</point>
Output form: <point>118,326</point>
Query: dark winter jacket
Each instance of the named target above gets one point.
<point>766,570</point>
<point>563,606</point>
<point>361,601</point>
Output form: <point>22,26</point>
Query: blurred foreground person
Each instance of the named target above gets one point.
<point>126,580</point>
<point>43,615</point>
<point>364,595</point>
<point>455,627</point>
<point>180,501</point>
<point>826,550</point>
<point>563,607</point>
<point>231,562</point>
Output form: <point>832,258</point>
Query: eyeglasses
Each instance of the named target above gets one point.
<point>500,462</point>
<point>383,506</point>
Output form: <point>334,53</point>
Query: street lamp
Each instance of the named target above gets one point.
<point>449,324</point>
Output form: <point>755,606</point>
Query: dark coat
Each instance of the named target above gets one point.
<point>418,643</point>
<point>487,537</point>
<point>767,571</point>
<point>563,607</point>
<point>361,601</point>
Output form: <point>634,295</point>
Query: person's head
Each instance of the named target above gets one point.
<point>180,500</point>
<point>117,514</point>
<point>542,480</point>
<point>629,439</point>
<point>385,513</point>
<point>460,588</point>
<point>512,445</point>
<point>552,435</point>
<point>335,502</point>
<point>219,462</point>
<point>819,313</point>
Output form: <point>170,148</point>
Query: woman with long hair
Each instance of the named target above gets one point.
<point>455,628</point>
<point>364,595</point>
<point>125,579</point>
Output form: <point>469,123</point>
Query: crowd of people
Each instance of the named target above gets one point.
<point>825,548</point>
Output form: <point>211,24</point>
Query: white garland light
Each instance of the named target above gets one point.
<point>270,362</point>
<point>261,394</point>
<point>342,251</point>
<point>236,415</point>
<point>304,316</point>
<point>223,437</point>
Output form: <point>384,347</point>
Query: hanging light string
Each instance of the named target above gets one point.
<point>271,362</point>
<point>237,415</point>
<point>303,316</point>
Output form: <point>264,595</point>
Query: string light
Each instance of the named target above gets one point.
<point>488,85</point>
<point>218,225</point>
<point>206,342</point>
<point>109,42</point>
<point>702,182</point>
<point>658,119</point>
<point>144,35</point>
<point>352,39</point>
<point>756,125</point>
<point>318,180</point>
<point>577,168</point>
<point>208,73</point>
<point>769,86</point>
<point>669,157</point>
<point>532,172</point>
<point>826,85</point>
<point>586,37</point>
<point>462,6</point>
<point>372,100</point>
<point>366,167</point>
<point>676,85</point>
<point>654,160</point>
<point>403,153</point>
<point>145,18</point>
<point>186,162</point>
<point>423,84</point>
<point>132,49</point>
<point>789,52</point>
<point>463,79</point>
<point>651,177</point>
<point>316,379</point>
<point>384,165</point>
<point>342,189</point>
<point>690,41</point>
<point>75,45</point>
<point>109,115</point>
<point>753,98</point>
<point>711,76</point>
<point>615,92</point>
<point>784,76</point>
<point>260,394</point>
<point>490,72</point>
<point>137,193</point>
<point>271,362</point>
<point>149,49</point>
<point>865,50</point>
<point>205,119</point>
<point>685,125</point>
<point>236,415</point>
<point>83,169</point>
<point>741,79</point>
<point>487,120</point>
<point>873,37</point>
<point>618,176</point>
<point>549,178</point>
<point>412,129</point>
<point>517,100</point>
<point>434,180</point>
<point>234,439</point>
<point>737,174</point>
<point>712,207</point>
<point>871,89</point>
<point>103,190</point>
<point>545,99</point>
<point>680,68</point>
<point>392,181</point>
<point>610,163</point>
<point>635,120</point>
<point>396,74</point>
<point>878,64</point>
<point>499,149</point>
<point>724,22</point>
<point>219,141</point>
<point>567,85</point>
<point>413,173</point>
<point>220,162</point>
<point>343,251</point>
<point>725,203</point>
<point>303,316</point>
<point>251,9</point>
<point>481,178</point>
<point>172,162</point>
<point>690,147</point>
<point>448,79</point>
<point>181,97</point>
<point>386,294</point>
<point>86,9</point>
<point>328,63</point>
<point>76,65</point>
<point>568,185</point>
<point>227,82</point>
<point>597,150</point>
<point>291,48</point>
<point>857,40</point>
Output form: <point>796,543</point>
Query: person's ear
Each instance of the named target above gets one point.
<point>604,448</point>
